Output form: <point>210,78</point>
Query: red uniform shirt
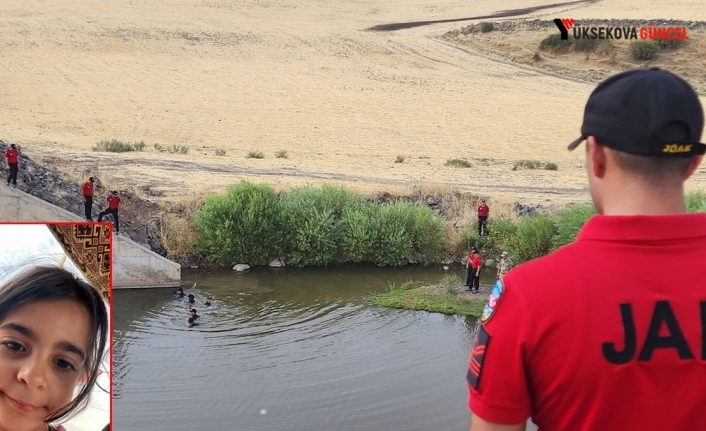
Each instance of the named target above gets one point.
<point>87,188</point>
<point>483,210</point>
<point>475,260</point>
<point>554,345</point>
<point>11,155</point>
<point>113,202</point>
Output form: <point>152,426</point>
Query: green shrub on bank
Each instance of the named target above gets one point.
<point>555,43</point>
<point>486,27</point>
<point>534,237</point>
<point>357,233</point>
<point>311,226</point>
<point>569,222</point>
<point>643,49</point>
<point>242,226</point>
<point>696,202</point>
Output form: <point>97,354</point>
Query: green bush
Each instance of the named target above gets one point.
<point>501,236</point>
<point>669,44</point>
<point>399,159</point>
<point>242,226</point>
<point>220,152</point>
<point>551,166</point>
<point>599,46</point>
<point>569,222</point>
<point>458,163</point>
<point>255,155</point>
<point>281,154</point>
<point>426,231</point>
<point>115,146</point>
<point>534,237</point>
<point>643,49</point>
<point>178,149</point>
<point>393,244</point>
<point>469,238</point>
<point>357,232</point>
<point>555,43</point>
<point>311,226</point>
<point>486,27</point>
<point>696,202</point>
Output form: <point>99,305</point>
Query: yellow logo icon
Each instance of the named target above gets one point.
<point>676,148</point>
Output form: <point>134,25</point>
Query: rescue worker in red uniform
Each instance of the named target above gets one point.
<point>12,157</point>
<point>584,338</point>
<point>483,212</point>
<point>113,202</point>
<point>87,192</point>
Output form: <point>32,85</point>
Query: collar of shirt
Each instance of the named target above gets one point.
<point>643,227</point>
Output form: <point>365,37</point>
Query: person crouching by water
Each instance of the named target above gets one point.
<point>192,322</point>
<point>504,265</point>
<point>180,293</point>
<point>209,301</point>
<point>193,314</point>
<point>53,338</point>
<point>191,299</point>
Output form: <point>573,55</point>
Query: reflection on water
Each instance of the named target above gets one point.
<point>289,349</point>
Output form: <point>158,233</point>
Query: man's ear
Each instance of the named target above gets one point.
<point>695,162</point>
<point>597,154</point>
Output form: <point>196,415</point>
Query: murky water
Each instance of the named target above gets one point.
<point>289,349</point>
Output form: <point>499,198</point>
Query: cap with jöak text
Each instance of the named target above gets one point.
<point>647,112</point>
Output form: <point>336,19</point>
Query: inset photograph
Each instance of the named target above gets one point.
<point>55,322</point>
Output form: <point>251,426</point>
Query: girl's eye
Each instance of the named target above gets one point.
<point>12,346</point>
<point>64,365</point>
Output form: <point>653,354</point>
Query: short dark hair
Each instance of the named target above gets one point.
<point>191,320</point>
<point>655,170</point>
<point>55,284</point>
<point>193,310</point>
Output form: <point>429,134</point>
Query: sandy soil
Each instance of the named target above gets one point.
<point>298,75</point>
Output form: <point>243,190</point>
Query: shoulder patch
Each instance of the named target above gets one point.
<point>475,364</point>
<point>493,301</point>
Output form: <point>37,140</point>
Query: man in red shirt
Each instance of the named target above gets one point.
<point>113,203</point>
<point>576,348</point>
<point>473,269</point>
<point>483,211</point>
<point>87,192</point>
<point>12,157</point>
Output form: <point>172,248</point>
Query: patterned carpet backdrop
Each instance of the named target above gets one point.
<point>88,246</point>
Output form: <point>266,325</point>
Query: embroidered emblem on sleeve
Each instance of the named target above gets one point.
<point>493,301</point>
<point>477,354</point>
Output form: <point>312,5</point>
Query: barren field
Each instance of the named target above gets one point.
<point>303,76</point>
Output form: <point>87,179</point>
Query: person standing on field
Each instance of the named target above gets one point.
<point>87,192</point>
<point>483,212</point>
<point>12,157</point>
<point>585,338</point>
<point>113,203</point>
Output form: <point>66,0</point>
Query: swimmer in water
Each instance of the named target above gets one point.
<point>209,301</point>
<point>192,322</point>
<point>193,314</point>
<point>180,293</point>
<point>191,299</point>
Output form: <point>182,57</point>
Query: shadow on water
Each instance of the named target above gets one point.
<point>501,14</point>
<point>289,349</point>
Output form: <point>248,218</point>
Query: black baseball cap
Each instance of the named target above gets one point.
<point>646,112</point>
<point>91,179</point>
<point>115,192</point>
<point>12,145</point>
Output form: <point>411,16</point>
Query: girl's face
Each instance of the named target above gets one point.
<point>43,346</point>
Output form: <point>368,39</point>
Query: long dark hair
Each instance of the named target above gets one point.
<point>55,284</point>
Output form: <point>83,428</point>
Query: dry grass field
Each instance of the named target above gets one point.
<point>297,75</point>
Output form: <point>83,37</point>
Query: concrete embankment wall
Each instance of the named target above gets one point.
<point>134,265</point>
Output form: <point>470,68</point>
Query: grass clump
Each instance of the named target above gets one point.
<point>242,226</point>
<point>696,202</point>
<point>220,152</point>
<point>450,282</point>
<point>255,155</point>
<point>486,27</point>
<point>458,163</point>
<point>568,223</point>
<point>281,154</point>
<point>177,149</point>
<point>534,164</point>
<point>555,43</point>
<point>643,49</point>
<point>399,159</point>
<point>536,57</point>
<point>116,146</point>
<point>416,297</point>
